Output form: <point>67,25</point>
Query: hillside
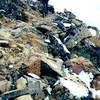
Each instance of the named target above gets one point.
<point>50,58</point>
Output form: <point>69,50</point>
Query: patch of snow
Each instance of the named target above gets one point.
<point>98,68</point>
<point>33,75</point>
<point>86,78</point>
<point>34,0</point>
<point>93,32</point>
<point>65,18</point>
<point>46,98</point>
<point>83,76</point>
<point>49,89</point>
<point>76,89</point>
<point>47,40</point>
<point>4,41</point>
<point>75,42</point>
<point>57,82</point>
<point>55,24</point>
<point>65,38</point>
<point>59,41</point>
<point>64,47</point>
<point>66,50</point>
<point>95,93</point>
<point>11,66</point>
<point>67,24</point>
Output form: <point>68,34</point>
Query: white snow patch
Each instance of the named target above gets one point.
<point>11,66</point>
<point>75,42</point>
<point>83,76</point>
<point>57,82</point>
<point>49,89</point>
<point>64,47</point>
<point>67,24</point>
<point>76,89</point>
<point>98,68</point>
<point>93,32</point>
<point>55,24</point>
<point>47,40</point>
<point>33,75</point>
<point>65,38</point>
<point>59,41</point>
<point>95,93</point>
<point>86,78</point>
<point>46,98</point>
<point>34,0</point>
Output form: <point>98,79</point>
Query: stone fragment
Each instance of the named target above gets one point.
<point>21,84</point>
<point>80,63</point>
<point>1,54</point>
<point>4,86</point>
<point>96,82</point>
<point>4,43</point>
<point>35,66</point>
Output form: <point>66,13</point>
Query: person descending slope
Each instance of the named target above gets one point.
<point>45,7</point>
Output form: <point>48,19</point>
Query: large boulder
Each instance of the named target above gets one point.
<point>21,84</point>
<point>82,33</point>
<point>35,66</point>
<point>80,63</point>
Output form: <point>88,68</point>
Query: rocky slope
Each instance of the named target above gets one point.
<point>51,58</point>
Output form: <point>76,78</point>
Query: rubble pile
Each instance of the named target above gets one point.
<point>51,58</point>
<point>21,9</point>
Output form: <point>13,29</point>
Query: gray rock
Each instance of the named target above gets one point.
<point>4,43</point>
<point>4,86</point>
<point>12,8</point>
<point>82,33</point>
<point>1,55</point>
<point>21,83</point>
